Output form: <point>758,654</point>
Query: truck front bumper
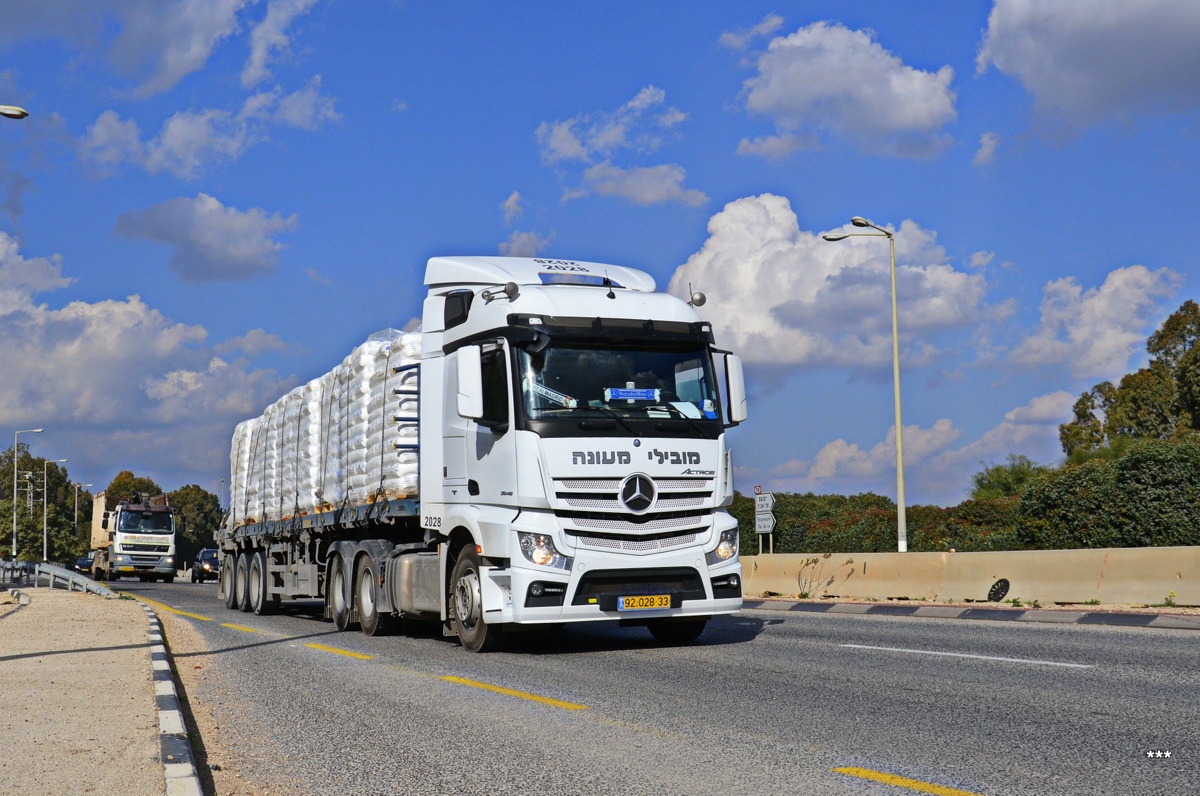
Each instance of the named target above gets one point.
<point>603,586</point>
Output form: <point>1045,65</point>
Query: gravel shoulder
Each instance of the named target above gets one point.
<point>77,707</point>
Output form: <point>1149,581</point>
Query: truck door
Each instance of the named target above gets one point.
<point>490,451</point>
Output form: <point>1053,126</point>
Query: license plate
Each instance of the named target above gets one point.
<point>642,602</point>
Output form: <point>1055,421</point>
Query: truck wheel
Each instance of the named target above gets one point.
<point>241,578</point>
<point>466,605</point>
<point>260,602</point>
<point>168,578</point>
<point>225,584</point>
<point>340,596</point>
<point>372,622</point>
<point>677,631</point>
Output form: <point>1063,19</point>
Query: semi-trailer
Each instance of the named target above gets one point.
<point>547,446</point>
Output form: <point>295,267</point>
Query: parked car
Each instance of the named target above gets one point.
<point>84,565</point>
<point>206,566</point>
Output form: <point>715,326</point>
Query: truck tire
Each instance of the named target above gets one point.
<point>261,602</point>
<point>241,578</point>
<point>677,631</point>
<point>226,590</point>
<point>340,596</point>
<point>466,605</point>
<point>371,621</point>
<point>168,578</point>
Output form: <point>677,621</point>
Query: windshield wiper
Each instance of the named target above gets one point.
<point>691,421</point>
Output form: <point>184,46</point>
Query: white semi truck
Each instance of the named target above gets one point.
<point>133,537</point>
<point>549,446</point>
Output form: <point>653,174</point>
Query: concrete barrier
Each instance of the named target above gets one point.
<point>1122,576</point>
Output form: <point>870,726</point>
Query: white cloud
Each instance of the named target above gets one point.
<point>1095,332</point>
<point>933,470</point>
<point>307,108</point>
<point>155,42</point>
<point>828,80</point>
<point>741,39</point>
<point>92,371</point>
<point>645,186</point>
<point>212,243</point>
<point>252,343</point>
<point>270,36</point>
<point>1090,61</point>
<point>782,295</point>
<point>524,244</point>
<point>988,144</point>
<point>512,208</point>
<point>317,277</point>
<point>776,147</point>
<point>190,139</point>
<point>982,259</point>
<point>636,125</point>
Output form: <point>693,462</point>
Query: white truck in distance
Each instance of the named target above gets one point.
<point>566,426</point>
<point>133,537</point>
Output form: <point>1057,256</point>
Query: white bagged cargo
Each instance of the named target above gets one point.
<point>347,438</point>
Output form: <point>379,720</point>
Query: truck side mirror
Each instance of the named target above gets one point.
<point>470,383</point>
<point>735,389</point>
<point>104,521</point>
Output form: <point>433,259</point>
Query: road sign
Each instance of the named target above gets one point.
<point>757,489</point>
<point>764,503</point>
<point>764,523</point>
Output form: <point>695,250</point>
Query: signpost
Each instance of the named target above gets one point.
<point>764,519</point>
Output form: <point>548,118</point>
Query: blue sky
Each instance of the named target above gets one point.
<point>214,200</point>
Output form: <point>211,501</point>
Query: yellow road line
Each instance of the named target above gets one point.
<point>337,651</point>
<point>166,607</point>
<point>903,782</point>
<point>510,692</point>
<point>242,628</point>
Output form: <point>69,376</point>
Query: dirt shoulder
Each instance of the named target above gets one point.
<point>77,710</point>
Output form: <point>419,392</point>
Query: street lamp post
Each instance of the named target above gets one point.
<point>45,535</point>
<point>77,506</point>
<point>901,519</point>
<point>14,495</point>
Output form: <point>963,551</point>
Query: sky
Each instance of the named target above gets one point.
<point>213,201</point>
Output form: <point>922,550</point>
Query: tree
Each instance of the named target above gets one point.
<point>197,517</point>
<point>125,484</point>
<point>1176,336</point>
<point>62,544</point>
<point>1006,480</point>
<point>1086,430</point>
<point>1145,405</point>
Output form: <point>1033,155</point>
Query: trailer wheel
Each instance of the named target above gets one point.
<point>466,604</point>
<point>225,584</point>
<point>372,622</point>
<point>241,579</point>
<point>340,596</point>
<point>677,631</point>
<point>261,603</point>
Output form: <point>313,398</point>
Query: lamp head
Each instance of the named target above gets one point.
<point>835,236</point>
<point>13,112</point>
<point>859,221</point>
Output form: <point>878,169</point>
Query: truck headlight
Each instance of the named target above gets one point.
<point>539,549</point>
<point>121,558</point>
<point>170,559</point>
<point>726,548</point>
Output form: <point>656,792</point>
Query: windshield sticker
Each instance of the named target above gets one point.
<point>626,394</point>
<point>556,397</point>
<point>687,409</point>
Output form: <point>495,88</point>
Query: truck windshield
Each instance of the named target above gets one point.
<point>146,522</point>
<point>627,382</point>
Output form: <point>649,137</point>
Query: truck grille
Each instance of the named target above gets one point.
<point>144,548</point>
<point>633,544</point>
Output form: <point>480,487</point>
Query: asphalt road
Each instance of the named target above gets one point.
<point>764,703</point>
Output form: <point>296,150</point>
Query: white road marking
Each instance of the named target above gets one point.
<point>976,657</point>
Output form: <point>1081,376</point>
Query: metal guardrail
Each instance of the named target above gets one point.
<point>26,573</point>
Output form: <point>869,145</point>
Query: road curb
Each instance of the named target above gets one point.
<point>179,769</point>
<point>1172,621</point>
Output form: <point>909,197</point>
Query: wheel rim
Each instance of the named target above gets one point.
<point>255,582</point>
<point>467,599</point>
<point>366,594</point>
<point>339,591</point>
